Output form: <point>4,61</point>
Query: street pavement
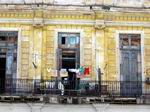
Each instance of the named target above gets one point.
<point>41,107</point>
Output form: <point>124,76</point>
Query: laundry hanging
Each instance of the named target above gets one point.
<point>86,71</point>
<point>81,70</point>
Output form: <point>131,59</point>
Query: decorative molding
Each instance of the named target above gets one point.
<point>124,23</point>
<point>75,15</point>
<point>75,22</point>
<point>7,14</point>
<point>72,22</point>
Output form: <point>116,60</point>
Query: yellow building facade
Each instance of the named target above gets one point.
<point>99,32</point>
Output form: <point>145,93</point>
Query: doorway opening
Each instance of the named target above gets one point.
<point>2,72</point>
<point>69,56</point>
<point>69,50</point>
<point>8,59</point>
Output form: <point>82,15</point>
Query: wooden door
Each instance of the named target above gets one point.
<point>130,71</point>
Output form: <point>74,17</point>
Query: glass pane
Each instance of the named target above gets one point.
<point>124,40</point>
<point>63,40</point>
<point>78,39</point>
<point>135,40</point>
<point>72,40</point>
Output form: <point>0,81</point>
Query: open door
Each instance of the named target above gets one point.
<point>69,56</point>
<point>8,60</point>
<point>2,73</point>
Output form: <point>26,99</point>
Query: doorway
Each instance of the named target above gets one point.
<point>69,56</point>
<point>2,73</point>
<point>68,50</point>
<point>130,65</point>
<point>8,60</point>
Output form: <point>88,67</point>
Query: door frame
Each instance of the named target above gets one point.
<point>80,31</point>
<point>118,51</point>
<point>18,47</point>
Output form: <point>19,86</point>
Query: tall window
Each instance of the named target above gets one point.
<point>69,50</point>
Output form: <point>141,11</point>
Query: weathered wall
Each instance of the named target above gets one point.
<point>37,42</point>
<point>38,35</point>
<point>111,51</point>
<point>50,48</point>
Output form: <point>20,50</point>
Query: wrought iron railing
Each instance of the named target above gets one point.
<point>23,87</point>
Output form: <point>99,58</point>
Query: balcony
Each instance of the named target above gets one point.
<point>77,88</point>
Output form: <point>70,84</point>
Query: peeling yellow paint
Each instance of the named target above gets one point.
<point>38,43</point>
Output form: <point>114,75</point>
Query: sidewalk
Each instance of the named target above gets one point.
<point>40,107</point>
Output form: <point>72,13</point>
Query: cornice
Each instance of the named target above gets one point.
<point>98,23</point>
<point>107,16</point>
